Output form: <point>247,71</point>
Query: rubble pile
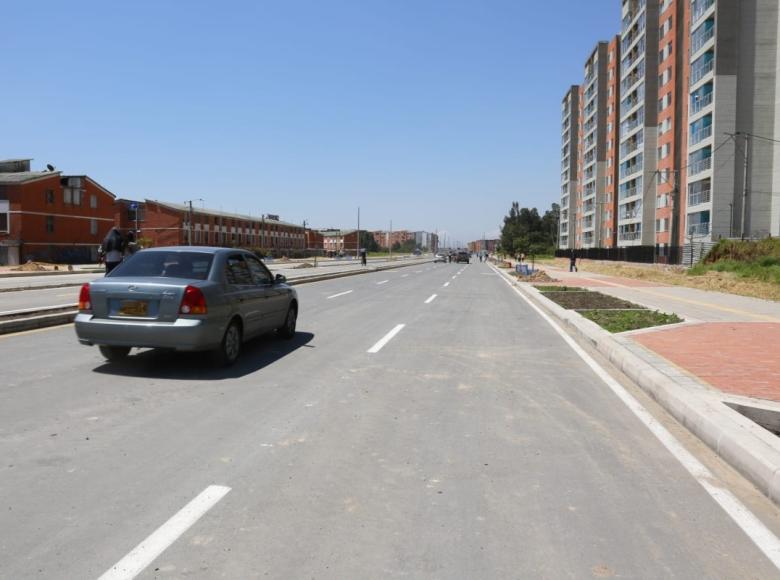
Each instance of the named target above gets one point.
<point>31,267</point>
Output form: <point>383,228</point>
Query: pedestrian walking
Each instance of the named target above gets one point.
<point>572,262</point>
<point>113,248</point>
<point>363,257</point>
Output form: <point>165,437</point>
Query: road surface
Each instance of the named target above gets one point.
<point>424,423</point>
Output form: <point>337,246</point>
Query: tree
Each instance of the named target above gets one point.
<point>526,232</point>
<point>368,242</point>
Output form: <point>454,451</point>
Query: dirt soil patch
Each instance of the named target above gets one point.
<point>625,320</point>
<point>33,267</point>
<point>727,282</point>
<point>587,300</point>
<point>305,265</point>
<point>560,289</point>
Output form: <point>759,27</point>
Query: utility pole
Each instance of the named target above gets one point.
<point>390,242</point>
<point>744,185</point>
<point>357,249</point>
<point>190,215</point>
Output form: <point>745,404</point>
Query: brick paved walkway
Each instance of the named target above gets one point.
<point>742,358</point>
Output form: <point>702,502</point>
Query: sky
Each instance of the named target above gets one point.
<point>433,114</point>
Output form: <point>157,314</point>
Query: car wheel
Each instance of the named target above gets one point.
<point>230,347</point>
<point>288,330</point>
<point>115,353</point>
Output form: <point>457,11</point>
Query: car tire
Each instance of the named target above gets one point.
<point>287,331</point>
<point>230,347</point>
<point>114,353</point>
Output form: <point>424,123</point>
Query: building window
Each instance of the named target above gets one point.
<point>4,222</point>
<point>50,224</point>
<point>93,201</point>
<point>93,227</point>
<point>49,193</point>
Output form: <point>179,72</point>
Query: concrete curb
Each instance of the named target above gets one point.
<point>37,321</point>
<point>43,317</point>
<point>743,444</point>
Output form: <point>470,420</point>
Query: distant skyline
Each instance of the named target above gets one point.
<point>435,115</point>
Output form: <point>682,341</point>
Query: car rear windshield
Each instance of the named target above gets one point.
<point>189,265</point>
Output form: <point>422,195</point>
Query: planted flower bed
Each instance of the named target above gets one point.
<point>612,314</point>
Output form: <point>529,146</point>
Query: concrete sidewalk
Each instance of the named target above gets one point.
<point>727,343</point>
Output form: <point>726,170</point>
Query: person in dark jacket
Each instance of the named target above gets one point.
<point>572,262</point>
<point>113,248</point>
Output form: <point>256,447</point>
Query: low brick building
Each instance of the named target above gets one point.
<point>338,242</point>
<point>48,216</point>
<point>169,224</point>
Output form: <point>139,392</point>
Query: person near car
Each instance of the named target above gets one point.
<point>113,248</point>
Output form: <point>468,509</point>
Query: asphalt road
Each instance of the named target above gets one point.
<point>471,442</point>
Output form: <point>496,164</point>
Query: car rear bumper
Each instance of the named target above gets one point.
<point>185,334</point>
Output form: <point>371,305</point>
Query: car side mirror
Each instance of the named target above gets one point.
<point>280,279</point>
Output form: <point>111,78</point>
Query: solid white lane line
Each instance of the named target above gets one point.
<point>148,550</point>
<point>385,339</point>
<point>455,276</point>
<point>382,282</point>
<point>418,271</point>
<point>339,294</point>
<point>446,284</point>
<point>761,536</point>
<point>431,299</point>
<point>404,276</point>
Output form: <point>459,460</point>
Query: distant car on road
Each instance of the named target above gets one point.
<point>187,299</point>
<point>463,257</point>
<point>440,258</point>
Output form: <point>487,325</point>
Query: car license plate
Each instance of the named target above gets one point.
<point>133,308</point>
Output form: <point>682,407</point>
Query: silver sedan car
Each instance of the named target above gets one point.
<point>188,299</point>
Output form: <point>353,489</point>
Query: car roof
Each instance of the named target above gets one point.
<point>198,249</point>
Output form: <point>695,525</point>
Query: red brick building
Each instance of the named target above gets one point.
<point>314,240</point>
<point>48,216</point>
<point>169,224</point>
<point>336,242</point>
<point>387,239</point>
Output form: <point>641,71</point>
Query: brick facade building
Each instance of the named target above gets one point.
<point>169,224</point>
<point>48,216</point>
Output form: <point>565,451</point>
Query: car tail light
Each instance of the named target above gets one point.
<point>85,302</point>
<point>193,301</point>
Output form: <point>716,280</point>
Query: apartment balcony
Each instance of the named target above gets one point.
<point>699,104</point>
<point>632,58</point>
<point>629,81</point>
<point>700,135</point>
<point>699,166</point>
<point>629,192</point>
<point>631,214</point>
<point>630,147</point>
<point>701,37</point>
<point>700,229</point>
<point>698,10</point>
<point>701,71</point>
<point>699,197</point>
<point>629,236</point>
<point>631,124</point>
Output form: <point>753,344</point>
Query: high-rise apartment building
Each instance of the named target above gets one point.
<point>637,155</point>
<point>594,147</point>
<point>608,236</point>
<point>679,130</point>
<point>733,165</point>
<point>570,120</point>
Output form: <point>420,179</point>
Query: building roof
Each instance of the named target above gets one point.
<point>335,232</point>
<point>25,176</point>
<point>197,210</point>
